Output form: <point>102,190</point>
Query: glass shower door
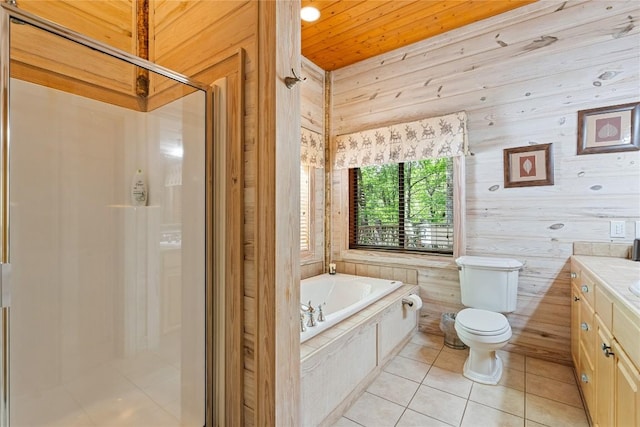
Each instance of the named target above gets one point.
<point>107,226</point>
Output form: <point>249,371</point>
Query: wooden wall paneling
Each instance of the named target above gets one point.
<point>485,60</point>
<point>519,87</point>
<point>204,41</point>
<point>112,22</point>
<point>277,241</point>
<point>44,59</point>
<point>312,97</point>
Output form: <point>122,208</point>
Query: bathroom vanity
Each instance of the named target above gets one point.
<point>605,338</point>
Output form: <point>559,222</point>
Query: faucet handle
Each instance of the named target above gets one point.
<point>320,314</point>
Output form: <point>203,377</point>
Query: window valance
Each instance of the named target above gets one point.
<point>432,138</point>
<point>311,148</point>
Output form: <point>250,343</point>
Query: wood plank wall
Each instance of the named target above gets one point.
<point>521,76</point>
<point>312,111</point>
<point>50,61</point>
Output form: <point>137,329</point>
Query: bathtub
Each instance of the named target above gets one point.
<point>341,295</point>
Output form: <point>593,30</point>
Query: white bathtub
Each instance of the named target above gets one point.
<point>341,296</point>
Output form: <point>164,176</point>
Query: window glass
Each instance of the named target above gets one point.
<point>406,206</point>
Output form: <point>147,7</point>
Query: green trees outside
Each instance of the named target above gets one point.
<point>403,204</point>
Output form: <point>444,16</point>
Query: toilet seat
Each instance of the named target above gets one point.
<point>482,322</point>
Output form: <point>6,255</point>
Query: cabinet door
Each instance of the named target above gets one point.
<point>626,394</point>
<point>575,325</point>
<point>604,371</point>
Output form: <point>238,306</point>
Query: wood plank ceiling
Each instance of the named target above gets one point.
<point>350,31</point>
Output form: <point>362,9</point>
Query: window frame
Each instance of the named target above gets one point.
<point>459,218</point>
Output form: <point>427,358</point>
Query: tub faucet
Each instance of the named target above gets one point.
<point>312,321</point>
<point>320,314</point>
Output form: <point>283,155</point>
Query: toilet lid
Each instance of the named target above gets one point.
<point>482,322</point>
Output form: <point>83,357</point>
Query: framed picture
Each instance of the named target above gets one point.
<point>528,166</point>
<point>609,129</point>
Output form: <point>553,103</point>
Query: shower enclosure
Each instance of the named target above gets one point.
<point>104,295</point>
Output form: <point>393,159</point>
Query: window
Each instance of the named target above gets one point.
<point>305,208</point>
<point>405,206</point>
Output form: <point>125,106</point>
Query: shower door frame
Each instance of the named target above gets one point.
<point>8,13</point>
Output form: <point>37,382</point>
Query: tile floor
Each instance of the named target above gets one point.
<point>424,386</point>
<point>141,391</point>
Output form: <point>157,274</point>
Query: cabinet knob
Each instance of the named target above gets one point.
<point>584,378</point>
<point>576,299</point>
<point>606,349</point>
<point>574,275</point>
<point>585,288</point>
<point>584,326</point>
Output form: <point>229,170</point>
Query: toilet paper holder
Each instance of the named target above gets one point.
<point>407,301</point>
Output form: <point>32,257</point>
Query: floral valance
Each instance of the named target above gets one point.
<point>311,149</point>
<point>431,138</point>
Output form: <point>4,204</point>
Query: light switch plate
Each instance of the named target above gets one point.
<point>617,229</point>
<point>637,229</point>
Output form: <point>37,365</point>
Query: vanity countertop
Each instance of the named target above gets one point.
<point>617,274</point>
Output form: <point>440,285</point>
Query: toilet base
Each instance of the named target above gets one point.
<point>483,367</point>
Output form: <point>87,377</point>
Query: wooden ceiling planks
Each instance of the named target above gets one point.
<point>350,31</point>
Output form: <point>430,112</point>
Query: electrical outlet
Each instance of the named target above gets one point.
<point>617,229</point>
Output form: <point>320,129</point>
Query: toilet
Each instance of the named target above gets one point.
<point>488,287</point>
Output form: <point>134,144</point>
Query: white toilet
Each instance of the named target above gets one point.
<point>489,286</point>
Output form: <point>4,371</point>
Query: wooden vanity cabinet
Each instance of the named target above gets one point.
<point>626,393</point>
<point>605,348</point>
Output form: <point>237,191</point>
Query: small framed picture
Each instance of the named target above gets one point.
<point>528,166</point>
<point>609,129</point>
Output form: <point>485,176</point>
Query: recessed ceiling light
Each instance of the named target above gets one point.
<point>309,14</point>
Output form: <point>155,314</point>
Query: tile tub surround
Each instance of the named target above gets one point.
<point>339,363</point>
<point>423,386</point>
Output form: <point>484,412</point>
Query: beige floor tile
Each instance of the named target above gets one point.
<point>551,370</point>
<point>451,382</point>
<point>428,340</point>
<point>554,390</point>
<point>512,360</point>
<point>499,397</point>
<point>456,351</point>
<point>450,361</point>
<point>345,422</point>
<point>420,353</point>
<point>529,423</point>
<point>415,419</point>
<point>479,415</point>
<point>512,378</point>
<point>394,388</point>
<point>374,411</point>
<point>554,414</point>
<point>407,368</point>
<point>438,404</point>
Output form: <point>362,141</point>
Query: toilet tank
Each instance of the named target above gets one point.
<point>489,283</point>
